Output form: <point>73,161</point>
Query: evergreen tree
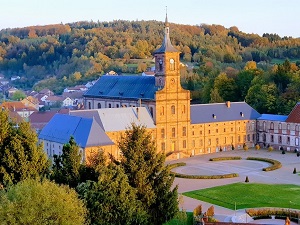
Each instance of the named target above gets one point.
<point>147,173</point>
<point>66,168</point>
<point>111,200</point>
<point>20,155</point>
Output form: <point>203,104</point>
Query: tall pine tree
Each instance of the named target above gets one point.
<point>21,156</point>
<point>147,173</point>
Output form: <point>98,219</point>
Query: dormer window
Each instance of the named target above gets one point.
<point>242,114</point>
<point>160,62</point>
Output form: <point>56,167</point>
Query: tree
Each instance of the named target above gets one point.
<point>66,168</point>
<point>147,174</point>
<point>111,200</point>
<point>21,156</point>
<point>34,202</point>
<point>18,96</point>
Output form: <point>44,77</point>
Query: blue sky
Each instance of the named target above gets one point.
<point>255,16</point>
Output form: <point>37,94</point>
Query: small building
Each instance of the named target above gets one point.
<point>20,108</point>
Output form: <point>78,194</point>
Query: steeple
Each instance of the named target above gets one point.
<point>166,45</point>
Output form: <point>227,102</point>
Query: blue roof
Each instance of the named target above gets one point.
<point>124,87</point>
<point>220,112</point>
<point>85,131</point>
<point>273,117</point>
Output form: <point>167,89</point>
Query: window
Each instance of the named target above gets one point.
<point>183,109</point>
<point>163,146</point>
<point>296,128</point>
<point>90,105</point>
<point>239,138</point>
<point>162,111</point>
<point>162,133</point>
<point>264,126</point>
<point>193,133</point>
<point>224,130</point>
<point>279,126</point>
<point>231,129</point>
<point>184,144</point>
<point>288,126</point>
<point>224,140</point>
<point>272,138</point>
<point>109,105</point>
<point>248,137</point>
<point>117,105</point>
<point>272,126</point>
<point>200,132</point>
<point>217,131</point>
<point>173,131</point>
<point>264,138</point>
<point>173,109</point>
<point>209,141</point>
<point>217,141</point>
<point>183,131</point>
<point>151,111</point>
<point>279,139</point>
<point>296,141</point>
<point>99,105</point>
<point>201,142</point>
<point>193,143</point>
<point>208,131</point>
<point>288,140</point>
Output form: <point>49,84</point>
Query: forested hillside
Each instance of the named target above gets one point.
<point>221,63</point>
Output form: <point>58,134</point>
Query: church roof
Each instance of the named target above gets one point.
<point>221,112</point>
<point>126,87</point>
<point>86,131</point>
<point>118,119</point>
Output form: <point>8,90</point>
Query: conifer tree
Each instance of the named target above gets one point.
<point>21,156</point>
<point>147,173</point>
<point>66,168</point>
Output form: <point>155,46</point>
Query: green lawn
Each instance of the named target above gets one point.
<point>250,195</point>
<point>182,219</point>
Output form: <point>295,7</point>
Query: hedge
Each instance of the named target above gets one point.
<point>277,212</point>
<point>230,175</point>
<point>175,165</point>
<point>275,164</point>
<point>226,158</point>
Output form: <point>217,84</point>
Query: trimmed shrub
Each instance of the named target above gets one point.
<point>245,147</point>
<point>230,175</point>
<point>275,164</point>
<point>295,171</point>
<point>247,179</point>
<point>232,147</point>
<point>283,152</point>
<point>226,158</point>
<point>175,165</point>
<point>198,210</point>
<point>270,148</point>
<point>298,154</point>
<point>257,147</point>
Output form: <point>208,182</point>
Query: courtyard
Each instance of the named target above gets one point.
<point>200,165</point>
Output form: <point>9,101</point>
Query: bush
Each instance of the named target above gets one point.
<point>245,147</point>
<point>230,175</point>
<point>278,212</point>
<point>275,164</point>
<point>175,165</point>
<point>295,171</point>
<point>198,210</point>
<point>247,179</point>
<point>298,154</point>
<point>283,152</point>
<point>257,147</point>
<point>270,148</point>
<point>232,147</point>
<point>226,158</point>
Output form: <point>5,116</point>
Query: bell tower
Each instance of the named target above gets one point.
<point>172,101</point>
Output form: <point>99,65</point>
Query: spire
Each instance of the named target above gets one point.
<point>166,45</point>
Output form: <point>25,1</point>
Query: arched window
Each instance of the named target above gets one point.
<point>173,109</point>
<point>272,126</point>
<point>90,105</point>
<point>288,126</point>
<point>279,126</point>
<point>296,128</point>
<point>183,109</point>
<point>109,105</point>
<point>264,126</point>
<point>99,105</point>
<point>162,111</point>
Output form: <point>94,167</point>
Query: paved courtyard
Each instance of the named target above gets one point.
<point>200,165</point>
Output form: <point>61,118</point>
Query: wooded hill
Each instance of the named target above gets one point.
<point>56,56</point>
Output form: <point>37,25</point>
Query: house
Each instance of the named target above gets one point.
<point>76,97</point>
<point>54,100</point>
<point>10,92</point>
<point>67,102</point>
<point>77,88</point>
<point>46,91</point>
<point>31,101</point>
<point>40,119</point>
<point>87,133</point>
<point>20,108</point>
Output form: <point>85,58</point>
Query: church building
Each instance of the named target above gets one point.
<point>163,106</point>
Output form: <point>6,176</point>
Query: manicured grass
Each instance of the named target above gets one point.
<point>182,220</point>
<point>250,195</point>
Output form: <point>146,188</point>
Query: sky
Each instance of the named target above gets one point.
<point>255,16</point>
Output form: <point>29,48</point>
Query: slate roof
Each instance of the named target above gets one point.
<point>124,87</point>
<point>219,112</point>
<point>118,119</point>
<point>86,131</point>
<point>294,116</point>
<point>273,117</point>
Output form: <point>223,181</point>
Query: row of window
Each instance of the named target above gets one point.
<point>173,110</point>
<point>288,139</point>
<point>163,135</point>
<point>279,126</point>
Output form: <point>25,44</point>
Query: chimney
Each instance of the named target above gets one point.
<point>227,104</point>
